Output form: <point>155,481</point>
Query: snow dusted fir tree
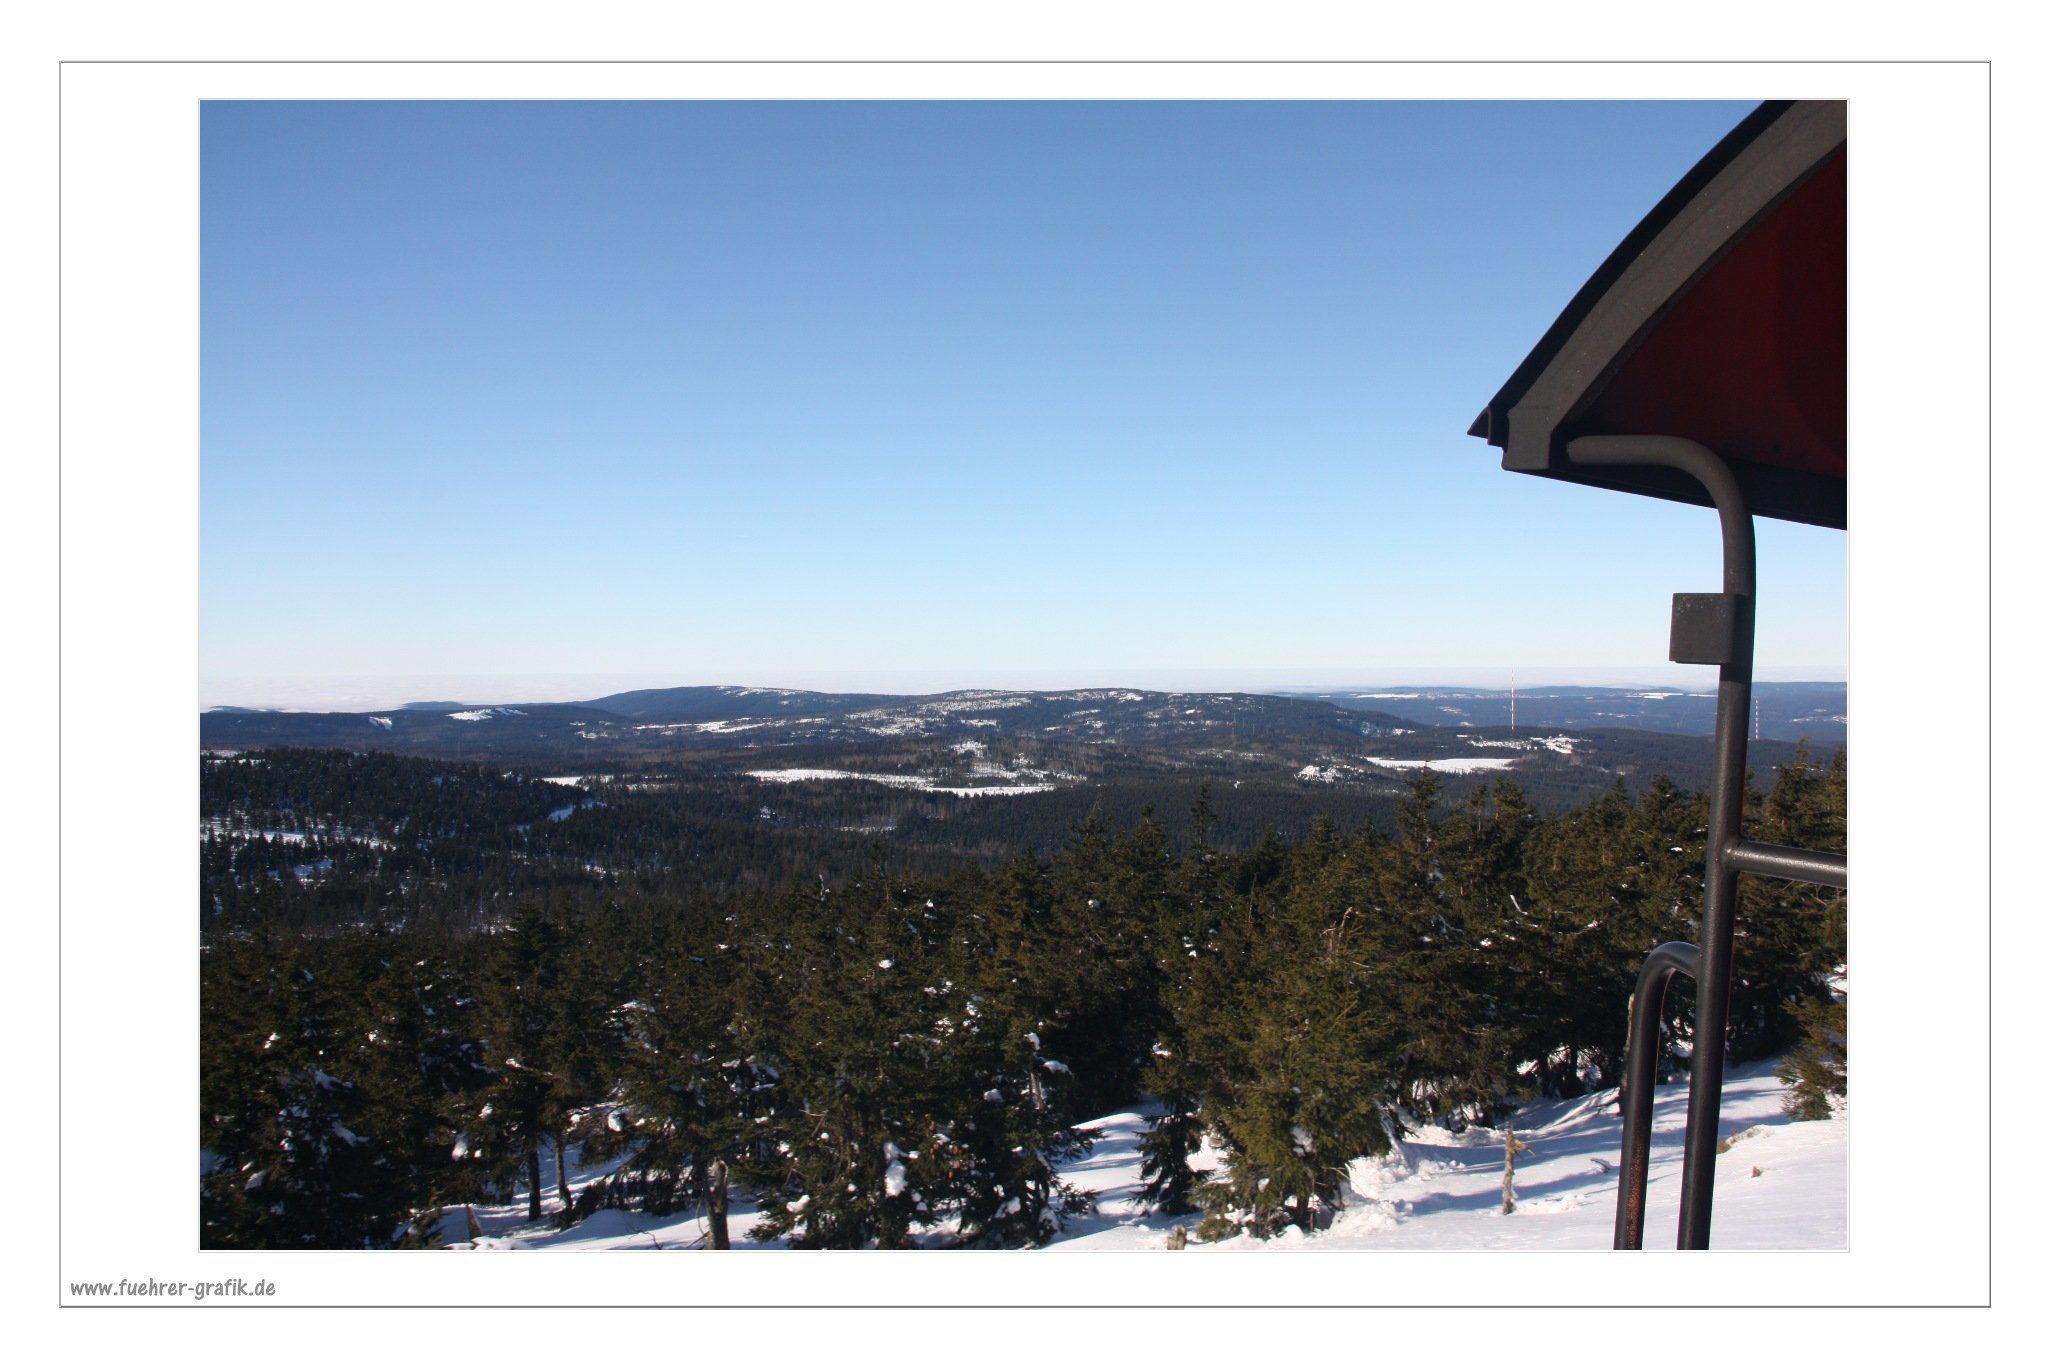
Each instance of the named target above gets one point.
<point>527,1104</point>
<point>1817,1068</point>
<point>688,1090</point>
<point>419,1069</point>
<point>1176,1134</point>
<point>1011,1194</point>
<point>1809,806</point>
<point>293,1159</point>
<point>1279,1015</point>
<point>912,1090</point>
<point>1183,921</point>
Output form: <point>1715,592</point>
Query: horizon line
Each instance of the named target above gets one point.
<point>346,694</point>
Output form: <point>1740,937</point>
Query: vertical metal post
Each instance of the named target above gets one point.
<point>1717,938</point>
<point>1724,821</point>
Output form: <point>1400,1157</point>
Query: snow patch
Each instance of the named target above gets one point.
<point>1445,765</point>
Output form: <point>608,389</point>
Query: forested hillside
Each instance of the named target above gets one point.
<point>424,982</point>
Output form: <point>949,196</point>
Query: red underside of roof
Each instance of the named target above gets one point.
<point>1752,361</point>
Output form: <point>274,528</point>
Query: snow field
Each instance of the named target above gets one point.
<point>1780,1186</point>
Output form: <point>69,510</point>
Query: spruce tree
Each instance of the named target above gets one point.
<point>526,1105</point>
<point>1787,935</point>
<point>1173,1138</point>
<point>1286,1019</point>
<point>293,1161</point>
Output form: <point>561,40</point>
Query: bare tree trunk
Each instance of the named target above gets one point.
<point>716,1200</point>
<point>1507,1179</point>
<point>533,1180</point>
<point>562,1174</point>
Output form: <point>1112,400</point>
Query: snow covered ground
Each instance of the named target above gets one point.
<point>1779,1186</point>
<point>1442,1191</point>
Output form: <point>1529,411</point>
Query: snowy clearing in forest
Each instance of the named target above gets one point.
<point>1557,744</point>
<point>919,781</point>
<point>731,726</point>
<point>837,775</point>
<point>1445,765</point>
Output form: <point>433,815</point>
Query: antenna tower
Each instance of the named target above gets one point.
<point>1511,701</point>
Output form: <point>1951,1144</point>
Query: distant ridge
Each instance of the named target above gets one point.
<point>1813,711</point>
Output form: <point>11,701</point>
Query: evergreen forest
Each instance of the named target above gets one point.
<point>428,983</point>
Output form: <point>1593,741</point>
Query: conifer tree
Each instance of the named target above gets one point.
<point>1285,1018</point>
<point>1604,885</point>
<point>692,1087</point>
<point>526,1105</point>
<point>1787,932</point>
<point>1181,929</point>
<point>1817,1066</point>
<point>1427,977</point>
<point>855,1079</point>
<point>292,1163</point>
<point>1171,1140</point>
<point>417,1065</point>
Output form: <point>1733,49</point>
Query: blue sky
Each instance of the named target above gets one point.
<point>535,396</point>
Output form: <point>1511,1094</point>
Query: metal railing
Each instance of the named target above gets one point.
<point>1706,628</point>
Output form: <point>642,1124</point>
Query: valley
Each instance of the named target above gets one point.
<point>920,769</point>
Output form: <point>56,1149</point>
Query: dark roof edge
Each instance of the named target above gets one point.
<point>1712,164</point>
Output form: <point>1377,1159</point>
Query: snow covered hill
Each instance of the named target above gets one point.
<point>1780,1185</point>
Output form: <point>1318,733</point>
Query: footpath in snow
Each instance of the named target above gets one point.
<point>1780,1186</point>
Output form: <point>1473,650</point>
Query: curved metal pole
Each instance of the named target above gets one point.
<point>1639,1083</point>
<point>1724,821</point>
<point>1738,532</point>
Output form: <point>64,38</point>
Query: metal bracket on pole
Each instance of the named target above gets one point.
<point>1708,627</point>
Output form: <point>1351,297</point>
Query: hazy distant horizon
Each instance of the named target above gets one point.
<point>378,692</point>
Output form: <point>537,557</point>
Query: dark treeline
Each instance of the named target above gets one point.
<point>425,984</point>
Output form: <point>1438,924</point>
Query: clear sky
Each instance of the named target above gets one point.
<point>529,398</point>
